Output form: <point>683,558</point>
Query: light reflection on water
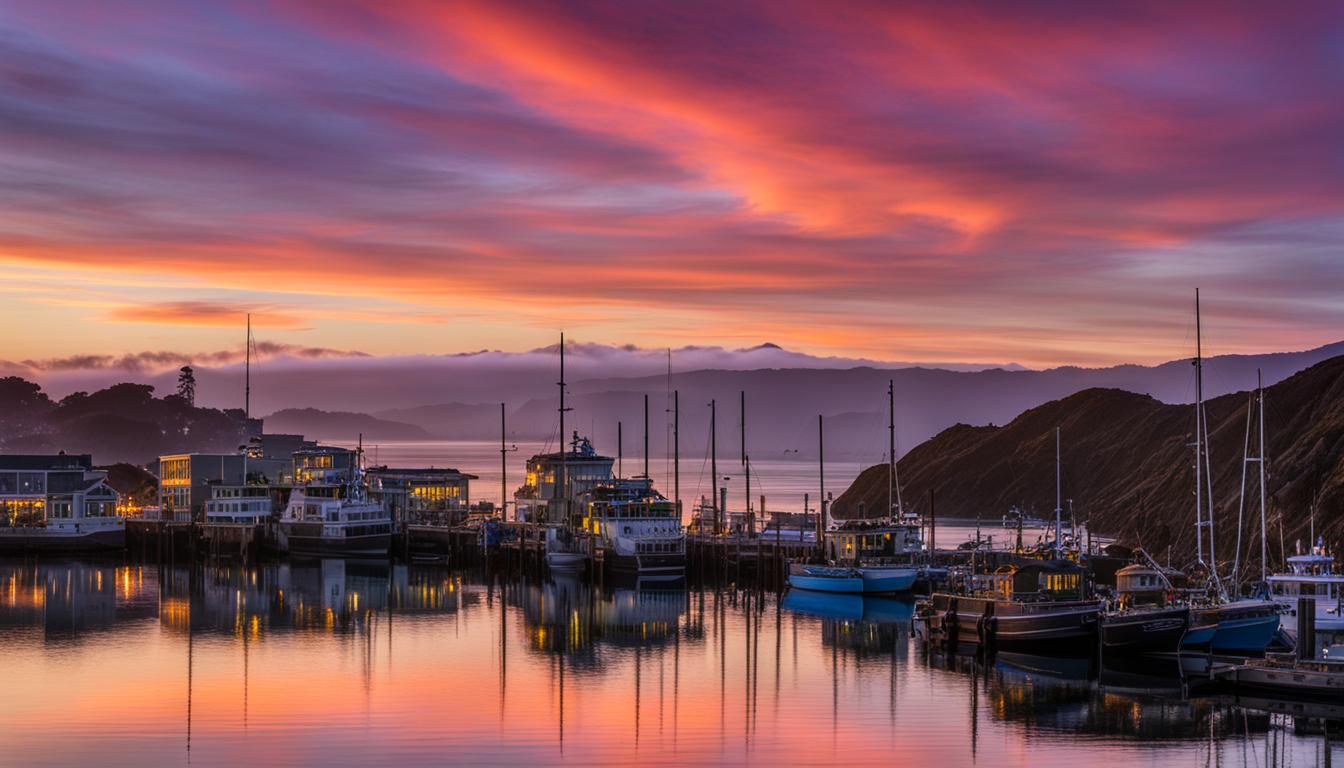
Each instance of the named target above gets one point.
<point>349,664</point>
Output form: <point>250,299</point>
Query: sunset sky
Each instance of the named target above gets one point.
<point>1040,183</point>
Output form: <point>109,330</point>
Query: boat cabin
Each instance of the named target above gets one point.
<point>1142,585</point>
<point>1310,575</point>
<point>872,541</point>
<point>555,482</point>
<point>1036,581</point>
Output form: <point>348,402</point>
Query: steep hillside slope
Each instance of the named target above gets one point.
<point>1128,465</point>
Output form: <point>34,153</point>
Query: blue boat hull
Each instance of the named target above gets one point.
<point>852,585</point>
<point>1250,634</point>
<point>1239,627</point>
<point>1199,637</point>
<point>888,580</point>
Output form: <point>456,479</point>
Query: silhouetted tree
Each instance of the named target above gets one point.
<point>186,385</point>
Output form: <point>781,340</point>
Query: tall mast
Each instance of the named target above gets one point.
<point>714,464</point>
<point>676,448</point>
<point>646,437</point>
<point>503,469</point>
<point>1246,458</point>
<point>821,482</point>
<point>1059,505</point>
<point>247,374</point>
<point>893,481</point>
<point>564,450</point>
<point>1199,431</point>
<point>1260,461</point>
<point>620,449</point>
<point>667,426</point>
<point>746,467</point>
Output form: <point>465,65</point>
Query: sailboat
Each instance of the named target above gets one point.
<point>1311,575</point>
<point>1238,626</point>
<point>868,546</point>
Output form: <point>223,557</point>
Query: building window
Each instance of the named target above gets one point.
<point>18,513</point>
<point>32,482</point>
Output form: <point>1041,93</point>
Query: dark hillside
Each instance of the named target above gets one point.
<point>1128,465</point>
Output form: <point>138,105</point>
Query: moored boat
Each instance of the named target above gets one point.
<point>880,579</point>
<point>1239,626</point>
<point>1145,620</point>
<point>825,578</point>
<point>1038,607</point>
<point>331,516</point>
<point>1312,577</point>
<point>564,551</point>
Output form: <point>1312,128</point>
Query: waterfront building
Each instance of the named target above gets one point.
<point>325,464</point>
<point>185,481</point>
<point>422,496</point>
<point>56,501</point>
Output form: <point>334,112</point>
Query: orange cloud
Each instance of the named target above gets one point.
<point>209,313</point>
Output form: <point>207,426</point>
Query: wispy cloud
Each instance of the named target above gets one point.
<point>155,362</point>
<point>950,180</point>
<point>212,313</point>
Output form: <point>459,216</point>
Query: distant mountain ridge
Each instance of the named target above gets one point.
<point>782,404</point>
<point>341,425</point>
<point>1128,466</point>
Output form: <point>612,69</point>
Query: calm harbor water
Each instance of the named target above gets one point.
<point>782,480</point>
<point>340,664</point>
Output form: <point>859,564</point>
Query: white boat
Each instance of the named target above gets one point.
<point>1312,576</point>
<point>637,528</point>
<point>332,517</point>
<point>564,550</point>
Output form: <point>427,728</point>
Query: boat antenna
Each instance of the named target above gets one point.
<point>646,436</point>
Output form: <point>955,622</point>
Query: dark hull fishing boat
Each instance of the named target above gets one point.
<point>1038,608</point>
<point>1155,630</point>
<point>1044,627</point>
<point>1144,619</point>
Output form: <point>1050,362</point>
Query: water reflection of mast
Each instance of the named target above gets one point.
<point>503,652</point>
<point>779,648</point>
<point>191,590</point>
<point>245,670</point>
<point>746,676</point>
<point>975,709</point>
<point>676,664</point>
<point>835,693</point>
<point>721,637</point>
<point>755,664</point>
<point>637,670</point>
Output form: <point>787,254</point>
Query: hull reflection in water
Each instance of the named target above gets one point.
<point>341,663</point>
